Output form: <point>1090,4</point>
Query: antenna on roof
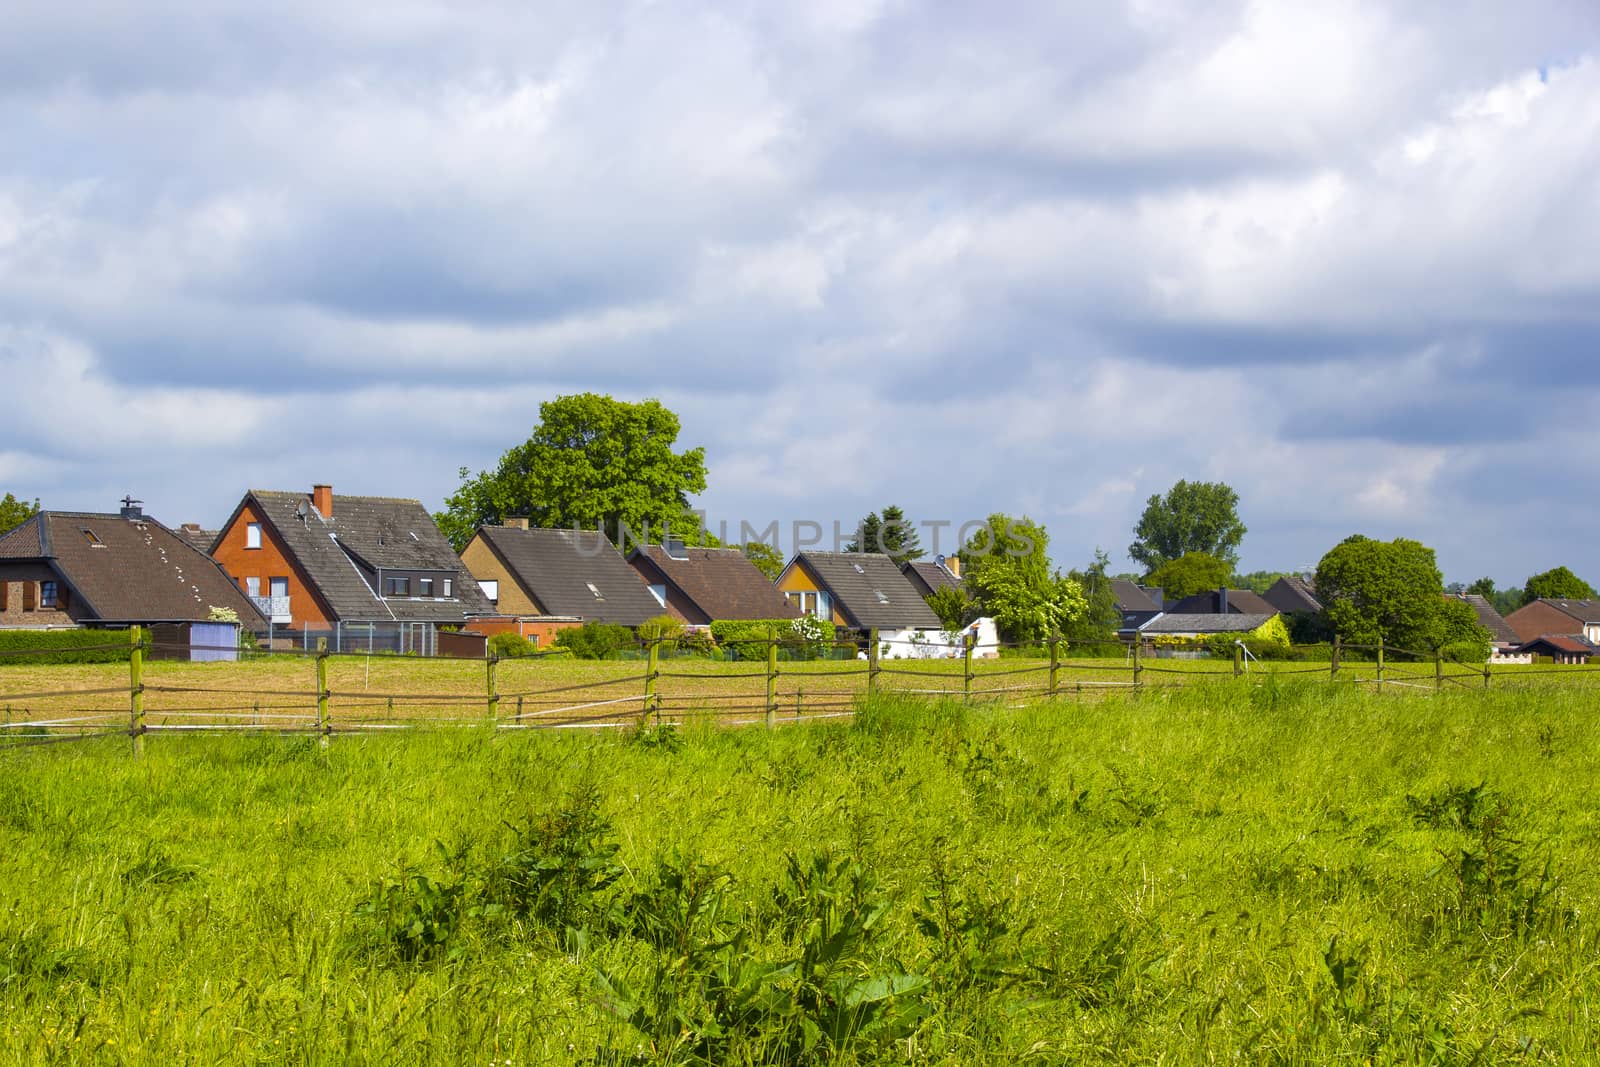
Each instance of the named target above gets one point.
<point>301,510</point>
<point>131,508</point>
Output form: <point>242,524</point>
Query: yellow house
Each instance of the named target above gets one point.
<point>856,590</point>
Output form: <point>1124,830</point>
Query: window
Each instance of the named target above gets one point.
<point>490,587</point>
<point>449,587</point>
<point>280,587</point>
<point>47,594</point>
<point>424,586</point>
<point>397,587</point>
<point>660,593</point>
<point>806,602</point>
<point>594,590</point>
<point>91,537</point>
<point>252,587</point>
<point>252,535</point>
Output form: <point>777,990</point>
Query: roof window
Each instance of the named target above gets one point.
<point>594,590</point>
<point>859,568</point>
<point>91,537</point>
<point>882,599</point>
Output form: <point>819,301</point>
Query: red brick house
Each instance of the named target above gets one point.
<point>1565,618</point>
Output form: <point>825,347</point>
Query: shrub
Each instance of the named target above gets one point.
<point>804,637</point>
<point>511,646</point>
<point>662,628</point>
<point>595,640</point>
<point>32,647</point>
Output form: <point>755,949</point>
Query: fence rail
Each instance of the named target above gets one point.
<point>276,693</point>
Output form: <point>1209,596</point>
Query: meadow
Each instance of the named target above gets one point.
<point>1263,870</point>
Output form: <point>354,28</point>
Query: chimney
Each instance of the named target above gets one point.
<point>1222,601</point>
<point>322,500</point>
<point>518,522</point>
<point>952,564</point>
<point>131,508</point>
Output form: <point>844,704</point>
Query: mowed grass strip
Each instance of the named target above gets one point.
<point>1260,871</point>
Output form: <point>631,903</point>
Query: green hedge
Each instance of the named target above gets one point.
<point>32,647</point>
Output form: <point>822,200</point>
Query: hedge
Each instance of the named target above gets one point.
<point>30,647</point>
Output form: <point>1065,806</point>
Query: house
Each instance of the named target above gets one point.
<point>943,573</point>
<point>93,569</point>
<point>1206,624</point>
<point>540,573</point>
<point>1293,594</point>
<point>366,573</point>
<point>1136,604</point>
<point>1560,649</point>
<point>1565,618</point>
<point>1504,638</point>
<point>1221,602</point>
<point>698,586</point>
<point>860,591</point>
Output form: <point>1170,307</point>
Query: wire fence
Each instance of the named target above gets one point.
<point>322,693</point>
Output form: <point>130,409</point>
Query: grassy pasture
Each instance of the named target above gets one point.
<point>1274,871</point>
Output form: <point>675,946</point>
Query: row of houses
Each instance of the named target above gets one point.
<point>375,573</point>
<point>366,572</point>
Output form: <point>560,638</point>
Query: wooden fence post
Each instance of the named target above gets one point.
<point>872,661</point>
<point>1138,667</point>
<point>1333,660</point>
<point>1380,663</point>
<point>966,668</point>
<point>136,688</point>
<point>1238,659</point>
<point>324,720</point>
<point>493,691</point>
<point>1438,669</point>
<point>1055,664</point>
<point>772,677</point>
<point>650,674</point>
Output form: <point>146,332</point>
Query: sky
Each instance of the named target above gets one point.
<point>1044,259</point>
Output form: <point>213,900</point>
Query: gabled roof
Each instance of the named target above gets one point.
<point>1293,595</point>
<point>1207,623</point>
<point>869,590</point>
<point>1489,618</point>
<point>1559,642</point>
<point>573,572</point>
<point>127,570</point>
<point>343,553</point>
<point>1584,611</point>
<point>928,577</point>
<point>1132,597</point>
<point>1240,602</point>
<point>721,582</point>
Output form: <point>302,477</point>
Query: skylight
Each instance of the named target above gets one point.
<point>859,568</point>
<point>91,537</point>
<point>882,599</point>
<point>593,590</point>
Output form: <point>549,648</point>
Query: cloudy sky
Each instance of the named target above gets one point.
<point>1042,258</point>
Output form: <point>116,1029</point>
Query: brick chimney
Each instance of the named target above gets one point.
<point>1222,601</point>
<point>519,522</point>
<point>952,564</point>
<point>322,500</point>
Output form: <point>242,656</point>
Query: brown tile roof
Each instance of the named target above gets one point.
<point>573,572</point>
<point>1490,619</point>
<point>869,590</point>
<point>930,576</point>
<point>1558,642</point>
<point>127,570</point>
<point>721,582</point>
<point>342,554</point>
<point>1293,595</point>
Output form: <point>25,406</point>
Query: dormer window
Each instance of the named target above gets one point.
<point>397,587</point>
<point>424,586</point>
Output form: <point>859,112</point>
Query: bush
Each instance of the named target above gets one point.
<point>663,628</point>
<point>509,645</point>
<point>31,647</point>
<point>595,640</point>
<point>802,638</point>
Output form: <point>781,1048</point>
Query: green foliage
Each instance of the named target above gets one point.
<point>1100,619</point>
<point>662,628</point>
<point>1193,572</point>
<point>1259,581</point>
<point>746,639</point>
<point>892,535</point>
<point>1192,517</point>
<point>508,645</point>
<point>595,640</point>
<point>14,512</point>
<point>559,869</point>
<point>1556,584</point>
<point>767,559</point>
<point>592,462</point>
<point>413,915</point>
<point>1006,566</point>
<point>30,648</point>
<point>1392,590</point>
<point>953,606</point>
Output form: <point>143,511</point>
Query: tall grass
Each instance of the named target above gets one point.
<point>1282,872</point>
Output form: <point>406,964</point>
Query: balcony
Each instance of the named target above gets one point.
<point>275,608</point>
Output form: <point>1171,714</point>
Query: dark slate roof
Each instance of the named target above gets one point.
<point>869,590</point>
<point>1208,623</point>
<point>1131,597</point>
<point>365,534</point>
<point>1240,602</point>
<point>128,570</point>
<point>722,583</point>
<point>558,566</point>
<point>1293,595</point>
<point>929,577</point>
<point>1490,619</point>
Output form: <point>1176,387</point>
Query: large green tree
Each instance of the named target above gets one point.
<point>767,559</point>
<point>891,534</point>
<point>14,512</point>
<point>1101,618</point>
<point>1191,573</point>
<point>592,461</point>
<point>1006,569</point>
<point>1556,584</point>
<point>1392,591</point>
<point>1191,517</point>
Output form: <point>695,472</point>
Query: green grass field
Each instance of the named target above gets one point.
<point>1284,872</point>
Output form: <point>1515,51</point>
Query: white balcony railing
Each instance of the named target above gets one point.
<point>275,608</point>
